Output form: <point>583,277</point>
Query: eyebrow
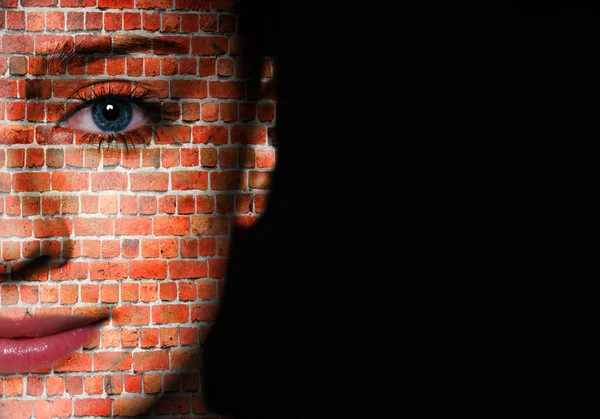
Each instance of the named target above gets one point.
<point>79,55</point>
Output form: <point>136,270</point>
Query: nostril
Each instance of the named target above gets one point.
<point>3,271</point>
<point>30,270</point>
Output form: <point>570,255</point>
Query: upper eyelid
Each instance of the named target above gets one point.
<point>147,89</point>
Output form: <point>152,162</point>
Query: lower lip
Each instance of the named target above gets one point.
<point>27,354</point>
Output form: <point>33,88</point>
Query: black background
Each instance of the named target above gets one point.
<point>437,175</point>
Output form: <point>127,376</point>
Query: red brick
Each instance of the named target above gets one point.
<point>16,409</point>
<point>70,181</point>
<point>54,157</point>
<point>132,21</point>
<point>55,385</point>
<point>29,294</point>
<point>187,291</point>
<point>151,360</point>
<point>225,67</point>
<point>229,112</point>
<point>15,111</point>
<point>89,293</point>
<point>183,269</point>
<point>133,226</point>
<point>148,269</point>
<point>209,225</point>
<point>154,4</point>
<point>52,227</point>
<point>189,22</point>
<point>93,20</point>
<point>75,21</point>
<point>131,316</point>
<point>47,43</point>
<point>152,383</point>
<point>113,21</point>
<point>190,112</point>
<point>232,180</point>
<point>210,134</point>
<point>209,45</point>
<point>208,22</point>
<point>227,89</point>
<point>259,180</point>
<point>113,384</point>
<point>187,180</point>
<point>170,22</point>
<point>109,293</point>
<point>18,66</point>
<point>133,383</point>
<point>56,408</point>
<point>130,292</point>
<point>149,337</point>
<point>35,386</point>
<point>108,270</point>
<point>194,89</point>
<point>130,248</point>
<point>168,291</point>
<point>171,225</point>
<point>189,157</point>
<point>210,111</point>
<point>92,407</point>
<point>151,21</point>
<point>266,112</point>
<point>149,181</point>
<point>112,361</point>
<point>185,359</point>
<point>203,312</point>
<point>74,385</point>
<point>31,182</point>
<point>135,67</point>
<point>130,337</point>
<point>188,336</point>
<point>207,67</point>
<point>132,406</point>
<point>109,181</point>
<point>93,226</point>
<point>248,135</point>
<point>74,362</point>
<point>115,4</point>
<point>208,246</point>
<point>8,88</point>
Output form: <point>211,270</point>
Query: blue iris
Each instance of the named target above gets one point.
<point>112,115</point>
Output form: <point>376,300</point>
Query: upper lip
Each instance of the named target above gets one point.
<point>42,325</point>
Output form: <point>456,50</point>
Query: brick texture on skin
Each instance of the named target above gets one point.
<point>145,228</point>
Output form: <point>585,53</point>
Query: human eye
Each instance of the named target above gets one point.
<point>113,113</point>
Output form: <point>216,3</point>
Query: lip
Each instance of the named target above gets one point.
<point>32,342</point>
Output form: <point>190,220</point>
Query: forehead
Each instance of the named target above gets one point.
<point>43,40</point>
<point>110,17</point>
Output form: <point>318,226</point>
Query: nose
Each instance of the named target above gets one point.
<point>33,236</point>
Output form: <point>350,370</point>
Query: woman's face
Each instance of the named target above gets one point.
<point>129,149</point>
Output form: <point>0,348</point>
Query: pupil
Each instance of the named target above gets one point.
<point>110,112</point>
<point>113,115</point>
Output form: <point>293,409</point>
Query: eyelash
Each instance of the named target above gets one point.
<point>130,94</point>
